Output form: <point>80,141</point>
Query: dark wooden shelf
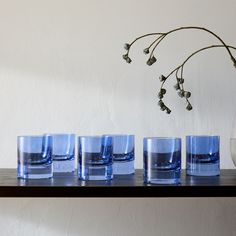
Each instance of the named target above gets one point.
<point>68,185</point>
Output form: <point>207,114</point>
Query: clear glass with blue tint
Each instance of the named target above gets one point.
<point>63,152</point>
<point>34,157</point>
<point>162,160</point>
<point>123,154</point>
<point>95,157</point>
<point>203,155</point>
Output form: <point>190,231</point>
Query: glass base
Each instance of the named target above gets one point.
<point>63,166</point>
<point>164,181</point>
<point>35,172</point>
<point>203,169</point>
<point>162,176</point>
<point>123,167</point>
<point>96,173</point>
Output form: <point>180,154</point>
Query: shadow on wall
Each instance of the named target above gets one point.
<point>118,217</point>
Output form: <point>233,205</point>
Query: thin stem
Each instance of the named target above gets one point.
<point>140,37</point>
<point>181,67</point>
<point>155,41</point>
<point>207,30</point>
<point>202,49</point>
<point>181,76</point>
<point>163,35</point>
<point>175,70</point>
<point>161,38</point>
<point>143,36</point>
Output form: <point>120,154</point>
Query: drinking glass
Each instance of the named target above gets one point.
<point>203,155</point>
<point>34,157</point>
<point>233,149</point>
<point>162,160</point>
<point>123,154</point>
<point>63,152</point>
<point>95,157</point>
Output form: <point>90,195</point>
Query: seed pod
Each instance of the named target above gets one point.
<point>160,103</point>
<point>160,95</point>
<point>180,80</point>
<point>128,60</point>
<point>163,91</point>
<point>146,50</point>
<point>153,59</point>
<point>168,111</point>
<point>189,107</point>
<point>177,87</point>
<point>187,94</point>
<point>126,46</point>
<point>163,107</point>
<point>181,93</point>
<point>125,56</point>
<point>149,63</point>
<point>162,78</point>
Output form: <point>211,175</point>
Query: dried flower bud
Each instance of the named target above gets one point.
<point>162,78</point>
<point>180,80</point>
<point>187,94</point>
<point>168,111</point>
<point>181,93</point>
<point>127,46</point>
<point>128,60</point>
<point>163,91</point>
<point>125,56</point>
<point>234,61</point>
<point>160,95</point>
<point>163,107</point>
<point>146,50</point>
<point>177,87</point>
<point>189,107</point>
<point>160,103</point>
<point>151,61</point>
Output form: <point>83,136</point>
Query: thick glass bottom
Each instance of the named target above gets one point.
<point>35,172</point>
<point>123,167</point>
<point>164,181</point>
<point>100,172</point>
<point>63,166</point>
<point>200,169</point>
<point>162,176</point>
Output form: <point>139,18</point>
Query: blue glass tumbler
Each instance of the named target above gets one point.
<point>123,154</point>
<point>203,155</point>
<point>63,153</point>
<point>162,160</point>
<point>34,157</point>
<point>95,157</point>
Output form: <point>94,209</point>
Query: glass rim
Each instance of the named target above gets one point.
<point>203,136</point>
<point>93,136</point>
<point>120,135</point>
<point>31,136</point>
<point>60,134</point>
<point>161,138</point>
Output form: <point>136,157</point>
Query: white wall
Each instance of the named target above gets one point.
<point>118,217</point>
<point>61,71</point>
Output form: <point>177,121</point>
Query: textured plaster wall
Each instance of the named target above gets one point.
<point>61,71</point>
